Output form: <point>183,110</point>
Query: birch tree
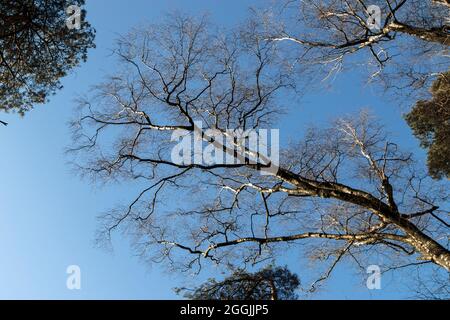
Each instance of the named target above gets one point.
<point>346,191</point>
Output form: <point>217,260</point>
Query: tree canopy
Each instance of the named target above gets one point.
<point>430,122</point>
<point>37,49</point>
<point>270,283</point>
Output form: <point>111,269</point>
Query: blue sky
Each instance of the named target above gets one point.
<point>48,214</point>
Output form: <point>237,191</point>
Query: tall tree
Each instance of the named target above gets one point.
<point>342,191</point>
<point>269,283</point>
<point>430,122</point>
<point>37,49</point>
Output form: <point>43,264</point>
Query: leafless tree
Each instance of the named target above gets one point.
<point>405,49</point>
<point>346,191</point>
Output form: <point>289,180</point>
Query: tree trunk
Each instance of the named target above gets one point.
<point>426,246</point>
<point>439,35</point>
<point>273,290</point>
<point>443,2</point>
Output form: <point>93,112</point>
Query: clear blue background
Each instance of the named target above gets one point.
<point>48,214</point>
